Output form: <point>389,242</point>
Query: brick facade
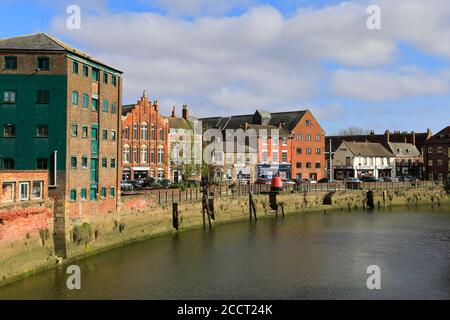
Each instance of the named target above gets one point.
<point>144,134</point>
<point>437,156</point>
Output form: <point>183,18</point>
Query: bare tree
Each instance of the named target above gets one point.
<point>352,131</point>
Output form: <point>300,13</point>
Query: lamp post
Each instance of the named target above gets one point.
<point>330,169</point>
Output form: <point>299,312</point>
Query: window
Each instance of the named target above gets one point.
<point>135,154</point>
<point>114,81</point>
<point>308,123</point>
<point>93,194</point>
<point>75,98</point>
<point>308,150</point>
<point>308,165</point>
<point>84,162</point>
<point>135,131</point>
<point>144,154</point>
<point>113,163</point>
<point>284,156</point>
<point>144,131</point>
<point>74,130</point>
<point>126,153</point>
<point>8,191</point>
<point>36,191</point>
<point>318,151</point>
<point>348,161</point>
<point>24,191</point>
<point>152,156</point>
<point>85,101</point>
<point>161,134</point>
<point>284,141</point>
<point>440,162</point>
<point>43,63</point>
<point>264,139</point>
<point>298,165</point>
<point>75,67</point>
<point>105,105</point>
<point>160,155</point>
<point>126,133</point>
<point>430,163</point>
<point>298,150</point>
<point>73,162</point>
<point>42,164</point>
<point>10,63</point>
<point>104,162</point>
<point>9,130</point>
<point>298,137</point>
<point>83,194</point>
<point>103,193</point>
<point>85,71</point>
<point>42,131</point>
<point>317,137</point>
<point>9,96</point>
<point>264,156</point>
<point>95,74</point>
<point>430,149</point>
<point>439,149</point>
<point>105,134</point>
<point>73,195</point>
<point>113,107</point>
<point>42,97</point>
<point>112,192</point>
<point>105,78</point>
<point>113,135</point>
<point>7,164</point>
<point>153,132</point>
<point>430,176</point>
<point>317,165</point>
<point>440,176</point>
<point>275,156</point>
<point>84,132</point>
<point>95,104</point>
<point>308,137</point>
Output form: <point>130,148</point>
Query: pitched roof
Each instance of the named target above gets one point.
<point>289,120</point>
<point>179,123</point>
<point>127,108</point>
<point>404,149</point>
<point>368,149</point>
<point>442,136</point>
<point>44,42</point>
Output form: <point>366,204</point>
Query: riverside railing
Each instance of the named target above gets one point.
<point>169,196</point>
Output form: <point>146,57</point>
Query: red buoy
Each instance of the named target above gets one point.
<point>277,184</point>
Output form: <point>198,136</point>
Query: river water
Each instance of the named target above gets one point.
<point>304,256</point>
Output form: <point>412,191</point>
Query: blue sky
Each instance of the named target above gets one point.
<point>224,57</point>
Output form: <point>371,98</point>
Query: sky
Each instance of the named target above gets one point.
<point>224,57</point>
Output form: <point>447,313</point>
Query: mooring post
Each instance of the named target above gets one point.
<point>175,221</point>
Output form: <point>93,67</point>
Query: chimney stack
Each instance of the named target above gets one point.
<point>372,132</point>
<point>173,112</point>
<point>185,112</point>
<point>429,134</point>
<point>155,105</point>
<point>413,138</point>
<point>387,135</point>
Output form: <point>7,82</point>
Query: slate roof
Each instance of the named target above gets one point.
<point>404,149</point>
<point>44,42</point>
<point>127,108</point>
<point>368,149</point>
<point>289,120</point>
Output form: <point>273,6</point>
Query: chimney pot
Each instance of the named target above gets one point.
<point>185,112</point>
<point>173,112</point>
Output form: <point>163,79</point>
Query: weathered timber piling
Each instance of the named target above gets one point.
<point>175,220</point>
<point>369,198</point>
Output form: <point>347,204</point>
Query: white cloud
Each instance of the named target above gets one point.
<point>381,85</point>
<point>199,7</point>
<point>262,58</point>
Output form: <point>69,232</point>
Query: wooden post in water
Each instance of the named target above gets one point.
<point>175,220</point>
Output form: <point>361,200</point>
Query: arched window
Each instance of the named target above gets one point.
<point>153,132</point>
<point>144,131</point>
<point>126,133</point>
<point>135,154</point>
<point>144,154</point>
<point>135,132</point>
<point>126,153</point>
<point>160,155</point>
<point>152,156</point>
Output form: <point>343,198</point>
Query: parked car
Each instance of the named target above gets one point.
<point>288,182</point>
<point>311,180</point>
<point>369,179</point>
<point>262,180</point>
<point>126,186</point>
<point>346,180</point>
<point>407,178</point>
<point>326,180</point>
<point>390,179</point>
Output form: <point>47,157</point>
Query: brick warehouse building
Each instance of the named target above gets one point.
<point>60,111</point>
<point>144,139</point>
<point>437,156</point>
<point>307,142</point>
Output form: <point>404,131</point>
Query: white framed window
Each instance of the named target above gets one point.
<point>144,154</point>
<point>8,191</point>
<point>126,153</point>
<point>144,131</point>
<point>275,156</point>
<point>24,191</point>
<point>36,192</point>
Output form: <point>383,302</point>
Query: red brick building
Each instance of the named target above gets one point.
<point>23,186</point>
<point>437,156</point>
<point>144,141</point>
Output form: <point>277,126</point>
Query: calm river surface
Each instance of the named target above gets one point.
<point>306,256</point>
